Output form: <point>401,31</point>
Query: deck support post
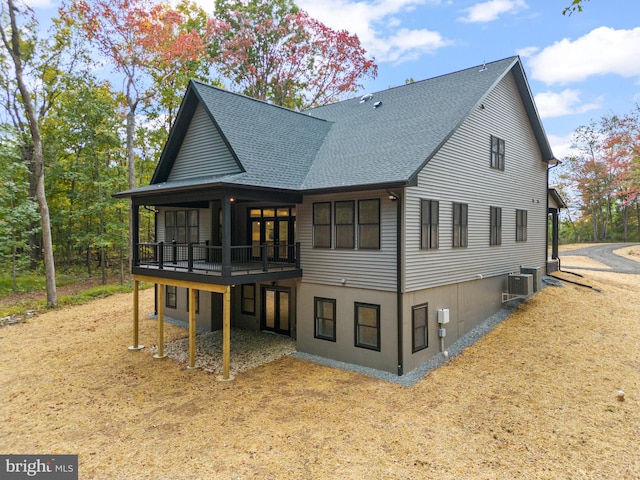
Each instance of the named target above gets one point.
<point>192,328</point>
<point>160,353</point>
<point>226,334</point>
<point>136,323</point>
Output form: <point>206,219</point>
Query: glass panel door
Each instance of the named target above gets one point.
<point>270,309</point>
<point>276,310</point>
<point>283,239</point>
<point>270,237</point>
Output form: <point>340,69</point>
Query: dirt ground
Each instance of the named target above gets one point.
<point>537,398</point>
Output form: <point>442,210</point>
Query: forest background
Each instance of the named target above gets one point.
<point>70,138</point>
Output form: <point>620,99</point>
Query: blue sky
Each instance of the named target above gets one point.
<point>579,67</point>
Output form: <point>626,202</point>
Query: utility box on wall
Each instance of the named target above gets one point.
<point>443,316</point>
<point>537,276</point>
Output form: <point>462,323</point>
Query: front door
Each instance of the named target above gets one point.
<point>276,311</point>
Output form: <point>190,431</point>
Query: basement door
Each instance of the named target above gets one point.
<point>276,311</point>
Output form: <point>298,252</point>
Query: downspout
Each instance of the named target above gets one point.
<point>399,313</point>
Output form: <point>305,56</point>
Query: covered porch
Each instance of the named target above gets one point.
<point>207,237</point>
<point>216,231</point>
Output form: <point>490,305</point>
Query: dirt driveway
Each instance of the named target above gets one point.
<point>606,254</point>
<point>537,398</point>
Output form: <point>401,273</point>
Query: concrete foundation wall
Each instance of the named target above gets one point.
<point>344,349</point>
<point>469,304</point>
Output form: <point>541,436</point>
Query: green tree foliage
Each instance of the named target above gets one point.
<point>88,167</point>
<point>18,212</point>
<point>20,44</point>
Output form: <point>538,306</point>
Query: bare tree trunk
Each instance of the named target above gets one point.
<point>131,128</point>
<point>625,223</point>
<point>14,272</point>
<point>26,153</point>
<point>13,48</point>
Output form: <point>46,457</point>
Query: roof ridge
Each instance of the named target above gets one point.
<point>513,58</point>
<point>263,102</point>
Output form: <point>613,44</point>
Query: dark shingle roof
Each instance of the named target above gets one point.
<point>346,144</point>
<point>392,142</point>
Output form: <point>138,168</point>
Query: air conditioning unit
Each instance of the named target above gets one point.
<point>537,276</point>
<point>520,284</point>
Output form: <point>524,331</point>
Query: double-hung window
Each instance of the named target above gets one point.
<point>460,224</point>
<point>419,317</point>
<point>171,296</point>
<point>325,318</point>
<point>248,301</point>
<point>429,224</point>
<point>322,225</point>
<point>369,223</point>
<point>497,153</point>
<point>495,220</point>
<point>367,326</point>
<point>345,224</point>
<point>521,225</point>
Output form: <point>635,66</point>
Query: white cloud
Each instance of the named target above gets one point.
<point>601,51</point>
<point>491,10</point>
<point>567,102</point>
<point>377,26</point>
<point>561,146</point>
<point>527,52</point>
<point>41,3</point>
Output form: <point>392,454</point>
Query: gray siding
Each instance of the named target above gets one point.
<point>203,151</point>
<point>460,172</point>
<point>374,269</point>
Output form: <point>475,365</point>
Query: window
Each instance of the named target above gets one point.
<point>429,224</point>
<point>345,227</point>
<point>497,153</point>
<point>248,293</point>
<point>322,225</point>
<point>460,224</point>
<point>325,315</point>
<point>369,223</point>
<point>171,296</point>
<point>181,226</point>
<point>419,316</point>
<point>495,220</point>
<point>197,297</point>
<point>367,323</point>
<point>521,225</point>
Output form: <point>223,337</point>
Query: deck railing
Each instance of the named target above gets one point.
<point>209,258</point>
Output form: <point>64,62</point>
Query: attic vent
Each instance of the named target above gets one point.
<point>377,104</point>
<point>365,97</point>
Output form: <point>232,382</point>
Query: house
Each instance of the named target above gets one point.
<point>353,227</point>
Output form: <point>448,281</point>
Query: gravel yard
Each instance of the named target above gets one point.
<point>537,398</point>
